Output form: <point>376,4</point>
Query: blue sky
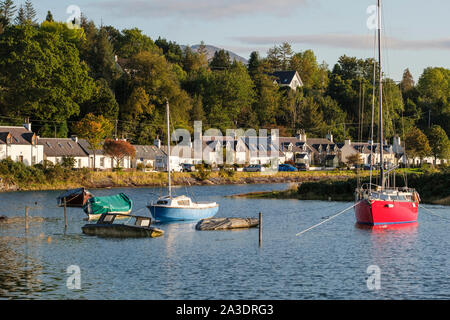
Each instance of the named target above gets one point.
<point>416,31</point>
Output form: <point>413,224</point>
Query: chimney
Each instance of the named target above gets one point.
<point>74,138</point>
<point>27,124</point>
<point>301,135</point>
<point>329,136</point>
<point>157,143</point>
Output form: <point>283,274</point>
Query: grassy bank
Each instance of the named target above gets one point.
<point>16,176</point>
<point>433,187</point>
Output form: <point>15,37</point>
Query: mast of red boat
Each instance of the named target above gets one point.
<point>380,75</point>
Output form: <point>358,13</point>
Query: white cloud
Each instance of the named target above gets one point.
<point>349,41</point>
<point>204,9</point>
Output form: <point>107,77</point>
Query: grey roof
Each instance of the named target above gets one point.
<point>149,152</point>
<point>87,148</point>
<point>19,135</point>
<point>62,147</point>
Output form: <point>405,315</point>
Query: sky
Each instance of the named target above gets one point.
<point>415,32</point>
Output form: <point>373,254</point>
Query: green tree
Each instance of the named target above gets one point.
<point>267,99</point>
<point>102,102</point>
<point>254,64</point>
<point>417,144</point>
<point>221,60</point>
<point>132,42</point>
<point>231,90</point>
<point>21,18</point>
<point>42,75</point>
<point>313,75</point>
<point>30,12</point>
<point>94,129</point>
<point>407,82</point>
<point>439,143</point>
<point>434,96</point>
<point>49,17</point>
<point>7,11</point>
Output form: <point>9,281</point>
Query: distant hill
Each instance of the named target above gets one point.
<point>212,49</point>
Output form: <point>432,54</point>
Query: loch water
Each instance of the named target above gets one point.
<point>333,261</point>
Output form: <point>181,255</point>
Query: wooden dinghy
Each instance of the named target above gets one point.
<point>74,198</point>
<point>226,223</point>
<point>105,227</point>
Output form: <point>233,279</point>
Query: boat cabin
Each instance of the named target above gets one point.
<point>181,201</point>
<point>388,194</point>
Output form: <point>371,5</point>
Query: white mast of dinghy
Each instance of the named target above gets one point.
<point>168,147</point>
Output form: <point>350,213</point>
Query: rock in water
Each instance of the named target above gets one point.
<point>226,223</point>
<point>3,218</point>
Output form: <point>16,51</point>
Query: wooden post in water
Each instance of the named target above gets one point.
<point>26,218</point>
<point>260,229</point>
<point>65,213</point>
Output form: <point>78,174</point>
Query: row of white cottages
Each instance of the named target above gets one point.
<point>22,145</point>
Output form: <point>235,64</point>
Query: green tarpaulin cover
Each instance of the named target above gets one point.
<point>119,203</point>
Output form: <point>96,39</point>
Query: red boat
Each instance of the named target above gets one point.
<point>382,205</point>
<point>386,206</point>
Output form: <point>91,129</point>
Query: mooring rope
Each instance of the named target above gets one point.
<point>336,215</point>
<point>433,213</point>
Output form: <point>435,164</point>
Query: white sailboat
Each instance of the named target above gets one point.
<point>180,208</point>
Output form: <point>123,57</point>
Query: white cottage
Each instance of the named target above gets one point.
<point>20,144</point>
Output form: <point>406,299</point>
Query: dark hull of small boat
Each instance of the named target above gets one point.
<point>121,231</point>
<point>75,198</point>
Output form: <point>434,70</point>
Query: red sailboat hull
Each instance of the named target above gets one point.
<point>382,212</point>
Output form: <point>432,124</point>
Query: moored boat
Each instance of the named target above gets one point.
<point>105,227</point>
<point>181,208</point>
<point>382,204</point>
<point>119,204</point>
<point>74,198</point>
<point>386,206</point>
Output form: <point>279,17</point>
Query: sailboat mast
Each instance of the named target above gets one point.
<point>380,79</point>
<point>168,147</point>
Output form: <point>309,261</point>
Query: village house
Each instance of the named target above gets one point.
<point>147,156</point>
<point>295,150</point>
<point>56,149</point>
<point>20,144</point>
<point>321,148</point>
<point>289,79</point>
<point>102,161</point>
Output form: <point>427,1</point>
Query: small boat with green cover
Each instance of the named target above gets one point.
<point>96,206</point>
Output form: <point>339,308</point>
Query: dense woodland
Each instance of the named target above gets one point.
<point>56,76</point>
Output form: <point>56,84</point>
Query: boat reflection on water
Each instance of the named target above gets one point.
<point>406,228</point>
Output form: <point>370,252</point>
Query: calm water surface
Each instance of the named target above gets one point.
<point>329,262</point>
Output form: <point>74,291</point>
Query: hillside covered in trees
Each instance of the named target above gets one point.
<point>55,75</point>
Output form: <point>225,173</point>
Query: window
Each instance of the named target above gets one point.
<point>33,160</point>
<point>102,161</point>
<point>183,202</point>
